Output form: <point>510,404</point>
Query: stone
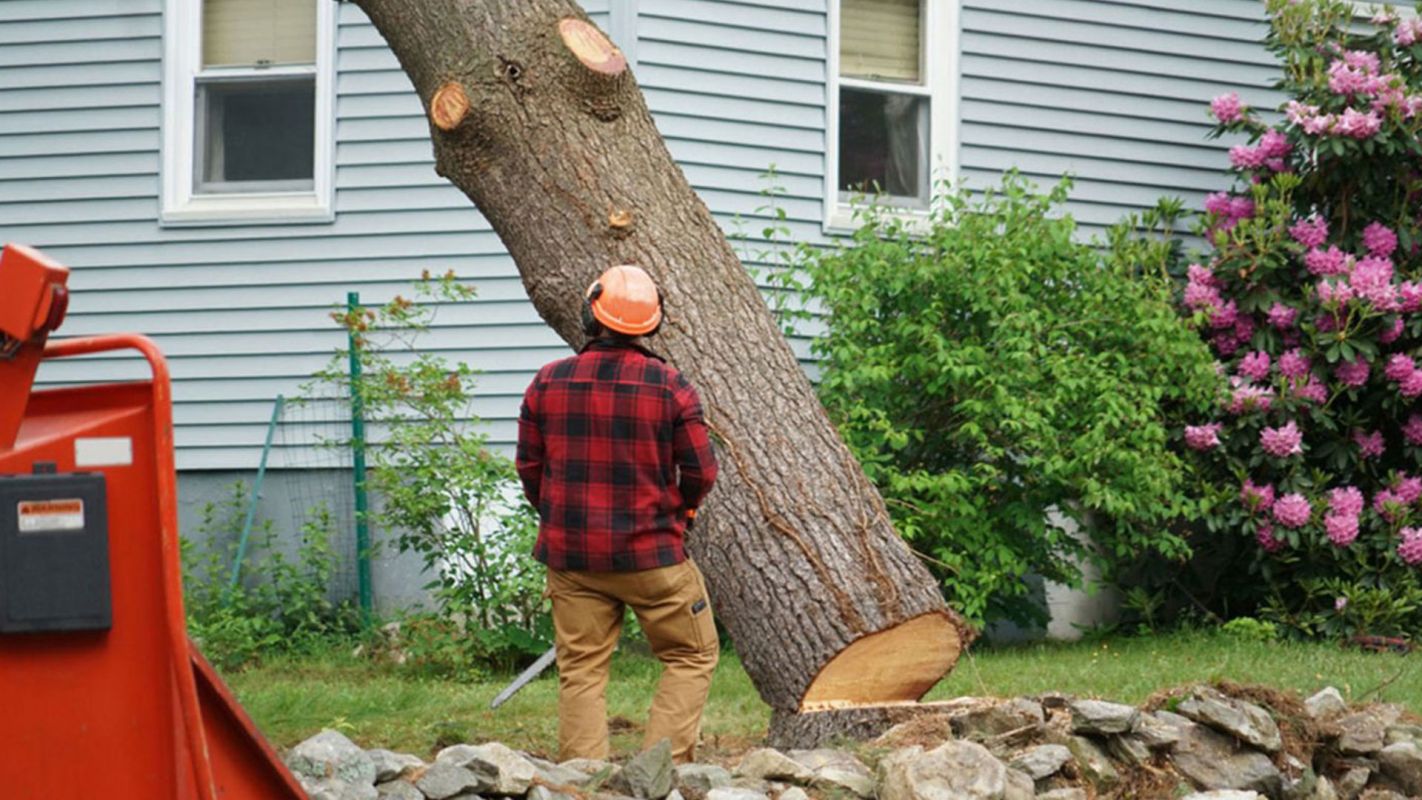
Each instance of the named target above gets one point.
<point>398,790</point>
<point>541,792</point>
<point>835,770</point>
<point>793,793</point>
<point>389,766</point>
<point>1225,794</point>
<point>445,779</point>
<point>499,770</point>
<point>1158,734</point>
<point>336,789</point>
<point>599,773</point>
<point>1403,763</point>
<point>1352,783</point>
<point>1215,761</point>
<point>735,793</point>
<point>1102,718</point>
<point>1019,786</point>
<point>1360,734</point>
<point>767,764</point>
<point>961,770</point>
<point>987,721</point>
<point>1325,703</point>
<point>1042,761</point>
<point>1244,721</point>
<point>649,775</point>
<point>330,755</point>
<point>702,778</point>
<point>753,784</point>
<point>1129,748</point>
<point>1064,793</point>
<point>1402,733</point>
<point>1094,764</point>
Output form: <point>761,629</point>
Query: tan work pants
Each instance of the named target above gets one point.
<point>672,607</point>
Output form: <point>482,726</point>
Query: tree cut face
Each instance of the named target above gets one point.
<point>559,152</point>
<point>894,665</point>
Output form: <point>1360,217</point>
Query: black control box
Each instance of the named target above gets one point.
<point>54,553</point>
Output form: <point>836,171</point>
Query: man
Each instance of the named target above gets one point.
<point>614,454</point>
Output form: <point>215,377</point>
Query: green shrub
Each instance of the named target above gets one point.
<point>987,368</point>
<point>279,605</point>
<point>444,494</point>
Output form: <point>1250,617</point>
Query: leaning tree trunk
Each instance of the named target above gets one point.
<point>535,116</point>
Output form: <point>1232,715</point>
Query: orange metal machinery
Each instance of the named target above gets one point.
<point>101,692</point>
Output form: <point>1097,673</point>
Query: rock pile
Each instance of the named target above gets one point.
<point>1202,743</point>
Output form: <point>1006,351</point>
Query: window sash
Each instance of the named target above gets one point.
<point>258,32</point>
<point>882,40</point>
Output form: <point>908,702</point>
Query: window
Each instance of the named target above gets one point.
<point>892,102</point>
<point>248,98</point>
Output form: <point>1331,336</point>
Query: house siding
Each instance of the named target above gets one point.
<point>1110,91</point>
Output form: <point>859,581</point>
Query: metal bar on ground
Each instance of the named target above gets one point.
<point>256,496</point>
<point>362,523</point>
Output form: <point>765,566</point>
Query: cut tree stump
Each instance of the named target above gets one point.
<point>537,118</point>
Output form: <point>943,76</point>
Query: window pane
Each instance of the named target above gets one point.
<point>251,32</point>
<point>880,39</point>
<point>256,131</point>
<point>883,144</point>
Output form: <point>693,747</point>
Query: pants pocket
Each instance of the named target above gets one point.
<point>703,624</point>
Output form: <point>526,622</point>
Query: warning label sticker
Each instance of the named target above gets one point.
<point>43,516</point>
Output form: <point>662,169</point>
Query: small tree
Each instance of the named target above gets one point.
<point>438,486</point>
<point>1309,299</point>
<point>988,369</point>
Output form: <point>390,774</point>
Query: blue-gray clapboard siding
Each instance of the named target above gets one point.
<point>1112,91</point>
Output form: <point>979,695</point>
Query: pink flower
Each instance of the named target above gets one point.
<point>1379,239</point>
<point>1358,125</point>
<point>1227,108</point>
<point>1255,366</point>
<point>1369,444</point>
<point>1282,317</point>
<point>1292,510</point>
<point>1408,32</point>
<point>1346,79</point>
<point>1293,364</point>
<point>1346,501</point>
<point>1326,262</point>
<point>1274,144</point>
<point>1225,316</point>
<point>1363,60</point>
<point>1201,275</point>
<point>1391,333</point>
<point>1217,203</point>
<point>1203,437</point>
<point>1243,329</point>
<point>1243,157</point>
<point>1225,343</point>
<point>1372,280</point>
<point>1342,529</point>
<point>1200,296</point>
<point>1409,546</point>
<point>1251,398</point>
<point>1399,366</point>
<point>1409,297</point>
<point>1389,505</point>
<point>1310,232</point>
<point>1283,441</point>
<point>1313,391</point>
<point>1383,17</point>
<point>1264,535</point>
<point>1412,430</point>
<point>1241,207</point>
<point>1334,293</point>
<point>1408,488</point>
<point>1352,373</point>
<point>1256,498</point>
<point>1411,386</point>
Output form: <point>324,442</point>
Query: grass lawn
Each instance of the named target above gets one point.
<point>293,697</point>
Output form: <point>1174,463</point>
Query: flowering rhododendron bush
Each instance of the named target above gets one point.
<point>1310,299</point>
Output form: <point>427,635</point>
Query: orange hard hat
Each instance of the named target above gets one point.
<point>625,299</point>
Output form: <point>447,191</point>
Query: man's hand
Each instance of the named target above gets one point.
<point>690,518</point>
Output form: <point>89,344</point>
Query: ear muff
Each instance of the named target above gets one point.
<point>591,327</point>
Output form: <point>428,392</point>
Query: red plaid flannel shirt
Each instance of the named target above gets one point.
<point>612,451</point>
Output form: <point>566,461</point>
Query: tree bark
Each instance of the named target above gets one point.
<point>535,116</point>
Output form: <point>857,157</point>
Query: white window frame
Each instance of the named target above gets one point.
<point>182,62</point>
<point>940,54</point>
